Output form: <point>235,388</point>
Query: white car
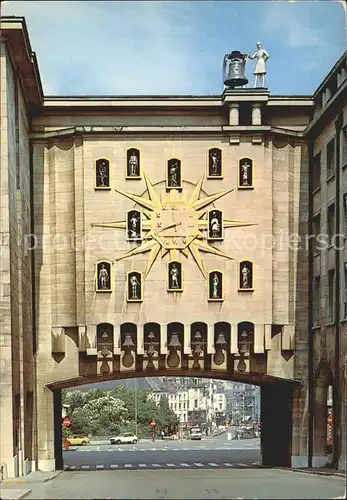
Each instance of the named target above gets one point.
<point>125,438</point>
<point>195,434</point>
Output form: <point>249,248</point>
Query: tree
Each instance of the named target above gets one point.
<point>75,398</point>
<point>104,411</point>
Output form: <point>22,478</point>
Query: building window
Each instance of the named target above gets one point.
<point>316,172</point>
<point>331,222</point>
<point>196,403</point>
<point>316,232</point>
<point>331,158</point>
<point>331,290</point>
<point>344,145</point>
<point>316,301</point>
<point>345,294</point>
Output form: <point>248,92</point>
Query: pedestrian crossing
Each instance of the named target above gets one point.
<point>164,448</point>
<point>169,465</point>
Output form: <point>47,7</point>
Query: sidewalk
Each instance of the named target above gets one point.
<point>16,488</point>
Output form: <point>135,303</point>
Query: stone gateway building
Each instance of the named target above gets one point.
<point>171,236</point>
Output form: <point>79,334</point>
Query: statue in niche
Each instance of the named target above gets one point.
<point>215,163</point>
<point>215,285</point>
<point>175,276</point>
<point>133,163</point>
<point>103,276</point>
<point>246,172</point>
<point>246,277</point>
<point>215,224</point>
<point>134,286</point>
<point>102,173</point>
<point>134,225</point>
<point>174,173</point>
<point>260,68</point>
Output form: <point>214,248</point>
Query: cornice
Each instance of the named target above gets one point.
<point>120,130</point>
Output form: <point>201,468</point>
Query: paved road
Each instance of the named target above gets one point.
<point>188,484</point>
<point>209,453</point>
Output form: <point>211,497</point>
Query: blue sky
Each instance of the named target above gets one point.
<point>148,48</point>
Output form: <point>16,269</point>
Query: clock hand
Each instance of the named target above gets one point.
<point>171,225</point>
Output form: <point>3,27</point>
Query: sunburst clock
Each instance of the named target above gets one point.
<point>176,224</point>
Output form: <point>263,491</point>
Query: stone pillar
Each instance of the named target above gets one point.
<point>45,429</point>
<point>116,340</point>
<point>233,339</point>
<point>140,339</point>
<point>234,114</point>
<point>258,339</point>
<point>210,339</point>
<point>256,114</point>
<point>276,418</point>
<point>186,340</point>
<point>163,339</point>
<point>91,333</point>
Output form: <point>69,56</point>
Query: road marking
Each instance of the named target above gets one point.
<point>184,465</point>
<point>100,466</point>
<point>198,464</point>
<point>85,466</point>
<point>114,466</point>
<point>156,465</point>
<point>128,466</point>
<point>212,465</point>
<point>142,465</point>
<point>171,465</point>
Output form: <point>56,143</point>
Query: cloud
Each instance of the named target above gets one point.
<point>111,47</point>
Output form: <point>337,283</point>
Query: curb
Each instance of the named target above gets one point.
<point>29,480</point>
<point>10,494</point>
<point>315,472</point>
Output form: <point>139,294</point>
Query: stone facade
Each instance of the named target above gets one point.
<point>328,135</point>
<point>48,189</point>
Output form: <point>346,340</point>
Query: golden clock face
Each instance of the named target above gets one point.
<point>175,225</point>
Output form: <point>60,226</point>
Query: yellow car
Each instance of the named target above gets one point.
<point>78,441</point>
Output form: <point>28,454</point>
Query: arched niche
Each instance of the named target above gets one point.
<point>104,336</point>
<point>245,337</point>
<point>102,173</point>
<point>128,336</point>
<point>200,327</point>
<point>222,328</point>
<point>151,328</point>
<point>172,329</point>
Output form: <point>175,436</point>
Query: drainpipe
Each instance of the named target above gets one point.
<point>338,250</point>
<point>310,384</point>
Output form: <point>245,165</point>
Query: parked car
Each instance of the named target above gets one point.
<point>195,433</point>
<point>125,438</point>
<point>78,440</point>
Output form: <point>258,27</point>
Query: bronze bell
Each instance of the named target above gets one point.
<point>234,66</point>
<point>174,341</point>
